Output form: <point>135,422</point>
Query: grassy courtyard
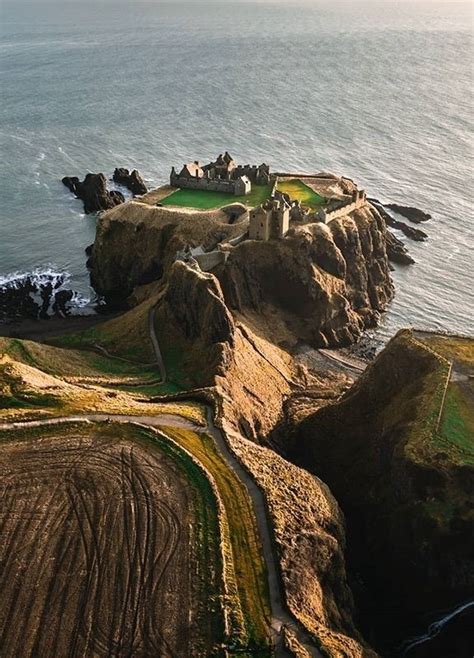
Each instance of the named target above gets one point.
<point>298,191</point>
<point>204,200</point>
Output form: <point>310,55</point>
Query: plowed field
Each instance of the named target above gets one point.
<point>96,546</point>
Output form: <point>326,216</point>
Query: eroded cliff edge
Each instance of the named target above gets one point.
<point>321,283</point>
<point>403,484</point>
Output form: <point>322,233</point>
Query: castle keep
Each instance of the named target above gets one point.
<point>223,175</point>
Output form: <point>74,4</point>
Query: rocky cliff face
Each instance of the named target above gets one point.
<point>326,283</point>
<point>195,329</point>
<point>251,377</point>
<point>405,500</point>
<point>136,243</point>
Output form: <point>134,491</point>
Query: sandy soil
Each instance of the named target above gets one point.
<point>95,548</point>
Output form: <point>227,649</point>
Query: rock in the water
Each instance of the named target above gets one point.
<point>72,183</point>
<point>412,233</point>
<point>93,192</point>
<point>413,214</point>
<point>60,304</point>
<point>132,181</point>
<point>396,251</point>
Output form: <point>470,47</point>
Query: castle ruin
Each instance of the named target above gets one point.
<point>223,175</point>
<point>270,220</point>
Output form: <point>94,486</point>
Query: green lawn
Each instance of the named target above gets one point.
<point>205,200</point>
<point>298,191</point>
<point>457,424</point>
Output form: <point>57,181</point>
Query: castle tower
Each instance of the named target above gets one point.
<point>260,223</point>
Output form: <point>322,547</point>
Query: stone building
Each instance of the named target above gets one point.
<point>270,220</point>
<point>194,177</point>
<point>257,175</point>
<point>222,175</point>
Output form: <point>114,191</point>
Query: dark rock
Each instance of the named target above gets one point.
<point>17,302</point>
<point>89,249</point>
<point>409,231</point>
<point>93,192</point>
<point>132,181</point>
<point>60,304</point>
<point>413,214</point>
<point>72,183</point>
<point>396,250</point>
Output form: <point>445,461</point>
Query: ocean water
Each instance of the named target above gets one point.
<point>379,91</point>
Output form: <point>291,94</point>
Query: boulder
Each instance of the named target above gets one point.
<point>93,192</point>
<point>132,181</point>
<point>413,214</point>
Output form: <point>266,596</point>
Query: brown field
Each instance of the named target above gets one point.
<point>97,551</point>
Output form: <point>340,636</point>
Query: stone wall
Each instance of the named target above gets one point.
<point>209,184</point>
<point>349,207</point>
<point>211,260</point>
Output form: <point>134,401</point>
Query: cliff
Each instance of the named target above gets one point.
<point>309,535</point>
<point>325,284</point>
<point>205,346</point>
<point>136,243</point>
<point>402,484</point>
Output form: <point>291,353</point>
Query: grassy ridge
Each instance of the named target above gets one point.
<point>250,570</point>
<point>207,542</point>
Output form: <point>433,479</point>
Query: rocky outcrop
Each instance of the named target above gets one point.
<point>192,320</point>
<point>396,250</point>
<point>413,214</point>
<point>35,295</point>
<point>137,243</point>
<point>132,181</point>
<point>93,192</point>
<point>412,233</point>
<point>326,284</point>
<point>406,500</point>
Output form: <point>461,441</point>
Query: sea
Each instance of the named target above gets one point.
<point>379,91</point>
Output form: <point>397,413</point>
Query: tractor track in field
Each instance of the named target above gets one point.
<point>280,616</point>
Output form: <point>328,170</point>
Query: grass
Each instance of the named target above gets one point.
<point>207,541</point>
<point>204,200</point>
<point>63,362</point>
<point>298,191</point>
<point>453,348</point>
<point>457,423</point>
<point>250,571</point>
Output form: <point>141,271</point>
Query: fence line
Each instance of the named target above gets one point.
<point>448,379</point>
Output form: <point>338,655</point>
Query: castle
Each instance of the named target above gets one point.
<point>271,219</point>
<point>223,175</point>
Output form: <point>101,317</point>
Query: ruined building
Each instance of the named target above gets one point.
<point>223,175</point>
<point>270,220</point>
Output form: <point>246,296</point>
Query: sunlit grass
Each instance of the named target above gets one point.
<point>206,200</point>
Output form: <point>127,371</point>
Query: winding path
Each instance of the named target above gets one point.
<point>280,616</point>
